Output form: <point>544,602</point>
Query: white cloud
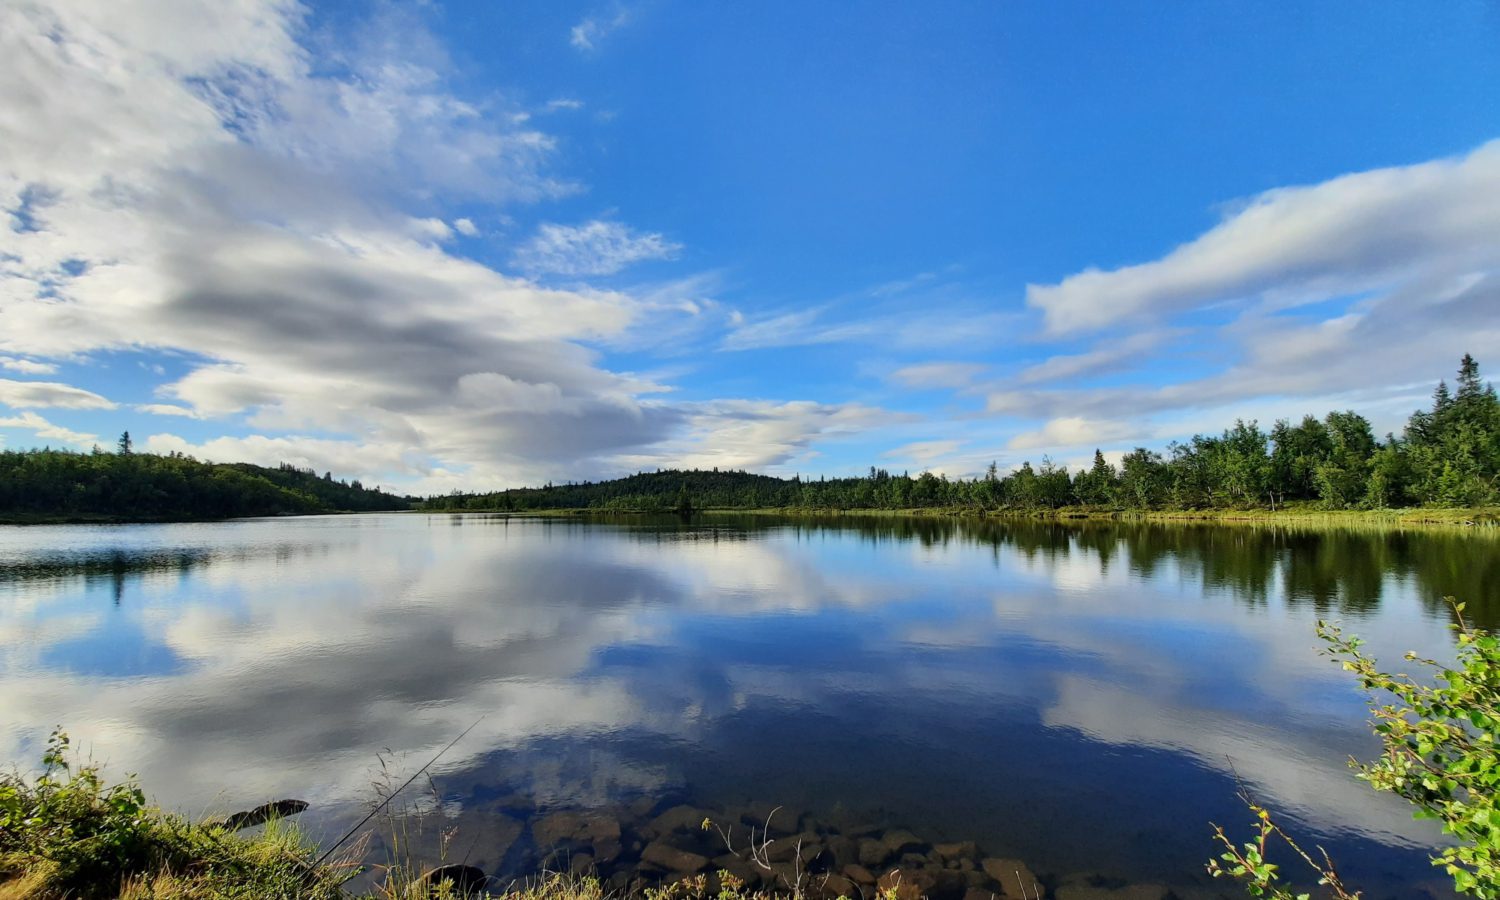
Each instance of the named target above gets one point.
<point>26,366</point>
<point>168,409</point>
<point>1108,355</point>
<point>1366,231</point>
<point>759,434</point>
<point>1071,431</point>
<point>924,451</point>
<point>587,34</point>
<point>567,103</point>
<point>45,429</point>
<point>215,194</point>
<point>597,247</point>
<point>304,452</point>
<point>924,376</point>
<point>41,394</point>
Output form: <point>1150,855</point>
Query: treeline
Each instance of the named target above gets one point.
<point>46,484</point>
<point>1447,456</point>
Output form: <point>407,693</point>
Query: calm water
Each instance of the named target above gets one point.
<point>1080,697</point>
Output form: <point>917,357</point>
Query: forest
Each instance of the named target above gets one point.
<point>1447,456</point>
<point>50,485</point>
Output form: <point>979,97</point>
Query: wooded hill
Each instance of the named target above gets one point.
<point>1447,456</point>
<point>50,485</point>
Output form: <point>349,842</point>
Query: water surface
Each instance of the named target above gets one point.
<point>1084,697</point>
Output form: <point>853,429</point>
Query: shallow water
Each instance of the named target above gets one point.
<point>1083,698</point>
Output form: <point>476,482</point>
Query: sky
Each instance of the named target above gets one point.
<point>472,245</point>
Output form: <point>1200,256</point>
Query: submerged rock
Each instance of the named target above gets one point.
<point>956,850</point>
<point>1082,890</point>
<point>771,818</point>
<point>899,840</point>
<point>872,853</point>
<point>587,828</point>
<point>1014,878</point>
<point>466,880</point>
<point>679,818</point>
<point>672,859</point>
<point>279,809</point>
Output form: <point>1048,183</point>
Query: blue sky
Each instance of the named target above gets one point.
<point>477,244</point>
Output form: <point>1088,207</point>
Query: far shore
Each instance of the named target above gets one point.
<point>1474,517</point>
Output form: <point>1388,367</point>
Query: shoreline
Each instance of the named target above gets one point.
<point>1470,517</point>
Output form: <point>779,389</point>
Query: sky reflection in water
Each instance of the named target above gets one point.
<point>1020,684</point>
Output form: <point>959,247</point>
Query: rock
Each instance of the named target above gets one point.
<point>975,893</point>
<point>834,885</point>
<point>607,851</point>
<point>937,884</point>
<point>859,874</point>
<point>957,850</point>
<point>262,814</point>
<point>587,828</point>
<point>966,865</point>
<point>777,820</point>
<point>805,846</point>
<point>895,884</point>
<point>1014,878</point>
<point>466,880</point>
<point>1083,891</point>
<point>977,879</point>
<point>737,867</point>
<point>900,841</point>
<point>581,863</point>
<point>872,853</point>
<point>672,859</point>
<point>680,818</point>
<point>641,807</point>
<point>841,851</point>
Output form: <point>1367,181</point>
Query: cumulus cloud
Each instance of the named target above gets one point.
<point>183,178</point>
<point>40,394</point>
<point>597,247</point>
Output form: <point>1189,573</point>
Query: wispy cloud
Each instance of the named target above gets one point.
<point>587,34</point>
<point>598,247</point>
<point>44,429</point>
<point>41,394</point>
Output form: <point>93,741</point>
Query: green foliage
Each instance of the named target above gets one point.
<point>1441,752</point>
<point>64,832</point>
<point>1439,736</point>
<point>143,486</point>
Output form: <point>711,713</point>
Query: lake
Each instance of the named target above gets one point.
<point>1083,698</point>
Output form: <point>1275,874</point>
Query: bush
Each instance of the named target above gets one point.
<point>1440,754</point>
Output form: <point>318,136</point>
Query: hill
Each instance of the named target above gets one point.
<point>662,490</point>
<point>61,485</point>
